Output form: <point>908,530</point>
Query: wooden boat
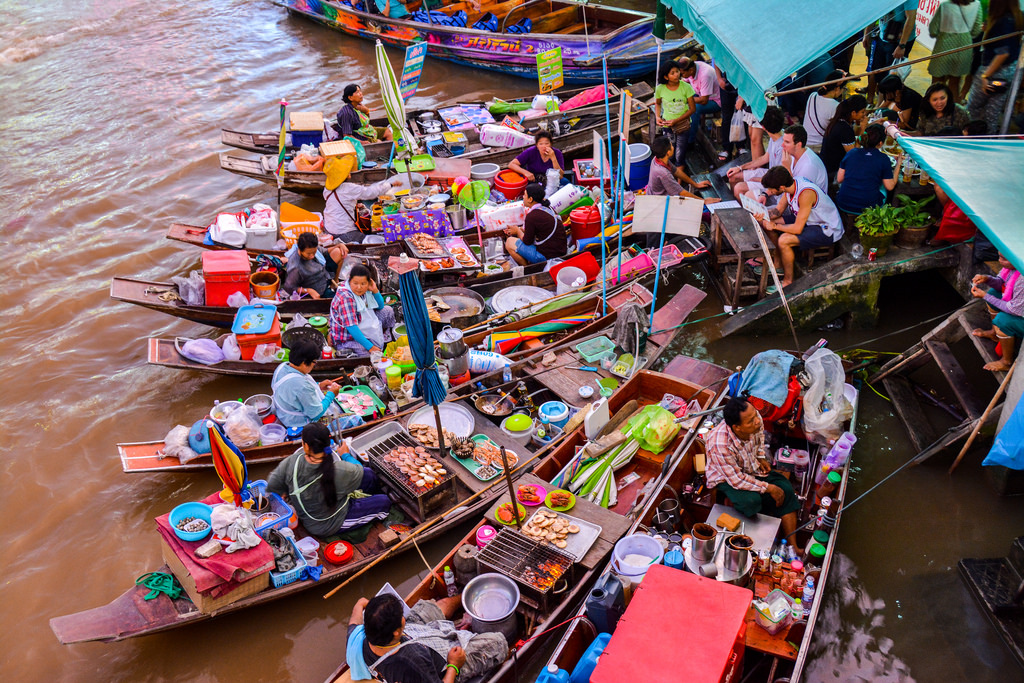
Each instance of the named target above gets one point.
<point>584,33</point>
<point>786,652</point>
<point>579,139</point>
<point>657,475</point>
<point>146,456</point>
<point>129,615</point>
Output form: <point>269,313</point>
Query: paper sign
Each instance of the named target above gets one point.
<point>414,56</point>
<point>549,70</point>
<point>754,207</point>
<point>683,215</point>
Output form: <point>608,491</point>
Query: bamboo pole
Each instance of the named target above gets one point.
<point>984,417</point>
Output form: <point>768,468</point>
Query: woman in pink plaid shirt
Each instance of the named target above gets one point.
<point>360,321</point>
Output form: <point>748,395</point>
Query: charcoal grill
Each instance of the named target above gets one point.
<point>521,559</point>
<point>421,500</point>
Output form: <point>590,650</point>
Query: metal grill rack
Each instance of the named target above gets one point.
<point>535,567</point>
<point>421,500</point>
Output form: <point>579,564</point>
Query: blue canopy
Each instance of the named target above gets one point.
<point>760,43</point>
<point>985,177</point>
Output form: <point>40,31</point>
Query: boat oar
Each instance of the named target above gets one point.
<point>984,416</point>
<point>430,523</point>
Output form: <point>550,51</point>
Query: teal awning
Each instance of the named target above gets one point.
<point>760,43</point>
<point>985,177</point>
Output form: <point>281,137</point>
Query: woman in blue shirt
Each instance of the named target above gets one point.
<point>865,173</point>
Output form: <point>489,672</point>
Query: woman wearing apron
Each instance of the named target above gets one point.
<point>360,322</point>
<point>543,235</point>
<point>298,398</point>
<point>329,495</point>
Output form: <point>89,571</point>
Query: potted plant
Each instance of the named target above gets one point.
<point>877,226</point>
<point>914,222</point>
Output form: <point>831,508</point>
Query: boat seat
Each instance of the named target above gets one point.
<point>556,20</point>
<point>575,28</point>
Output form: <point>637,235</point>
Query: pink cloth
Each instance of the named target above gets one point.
<point>220,574</point>
<point>1009,278</point>
<point>705,82</point>
<point>586,97</point>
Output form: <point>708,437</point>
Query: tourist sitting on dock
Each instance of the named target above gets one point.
<point>744,178</point>
<point>800,161</point>
<point>1004,295</point>
<point>666,178</point>
<point>738,466</point>
<point>354,117</point>
<point>309,269</point>
<point>360,321</point>
<point>533,164</point>
<point>816,222</point>
<point>703,78</point>
<point>542,236</point>
<point>424,647</point>
<point>902,99</point>
<point>298,398</point>
<point>841,134</point>
<point>341,199</point>
<point>673,107</point>
<point>328,496</point>
<point>866,173</point>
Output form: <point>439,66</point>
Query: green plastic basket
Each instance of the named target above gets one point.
<point>593,350</point>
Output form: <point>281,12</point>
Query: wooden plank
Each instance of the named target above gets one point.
<point>697,371</point>
<point>908,409</point>
<point>956,377</point>
<point>556,20</point>
<point>911,359</point>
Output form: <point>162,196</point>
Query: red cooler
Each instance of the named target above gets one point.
<point>585,222</point>
<point>247,343</point>
<point>225,272</point>
<point>678,627</point>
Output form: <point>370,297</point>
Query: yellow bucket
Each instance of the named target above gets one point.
<point>264,284</point>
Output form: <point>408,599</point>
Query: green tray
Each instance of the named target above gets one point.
<point>377,406</point>
<point>420,162</point>
<point>472,465</point>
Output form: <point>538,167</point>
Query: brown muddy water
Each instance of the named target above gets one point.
<point>111,112</point>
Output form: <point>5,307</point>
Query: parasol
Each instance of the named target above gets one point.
<point>504,342</point>
<point>281,151</point>
<point>229,463</point>
<point>391,93</point>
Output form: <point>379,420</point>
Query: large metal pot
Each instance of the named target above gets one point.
<point>491,601</point>
<point>458,366</point>
<point>450,342</point>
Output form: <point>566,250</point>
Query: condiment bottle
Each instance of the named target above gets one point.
<point>828,487</point>
<point>449,582</point>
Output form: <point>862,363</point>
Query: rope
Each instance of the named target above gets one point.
<point>889,334</point>
<point>430,570</point>
<point>761,302</point>
<point>160,582</point>
<point>887,478</point>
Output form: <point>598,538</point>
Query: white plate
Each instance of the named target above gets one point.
<point>519,296</point>
<point>438,198</point>
<point>455,418</point>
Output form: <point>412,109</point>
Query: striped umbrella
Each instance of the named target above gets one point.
<point>504,342</point>
<point>229,463</point>
<point>391,93</point>
<point>280,142</point>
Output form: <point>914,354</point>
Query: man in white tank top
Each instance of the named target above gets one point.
<point>817,222</point>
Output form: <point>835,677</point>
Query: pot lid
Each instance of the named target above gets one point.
<point>449,335</point>
<point>518,423</point>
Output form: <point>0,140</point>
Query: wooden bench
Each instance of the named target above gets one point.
<point>556,20</point>
<point>575,28</point>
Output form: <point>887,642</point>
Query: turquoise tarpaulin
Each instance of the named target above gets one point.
<point>985,177</point>
<point>760,43</point>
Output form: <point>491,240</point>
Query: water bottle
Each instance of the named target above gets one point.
<point>449,582</point>
<point>857,252</point>
<point>553,675</point>
<point>506,374</point>
<point>798,609</point>
<point>784,550</point>
<point>808,597</point>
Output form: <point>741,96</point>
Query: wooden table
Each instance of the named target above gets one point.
<point>733,228</point>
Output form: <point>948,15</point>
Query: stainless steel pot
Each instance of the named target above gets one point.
<point>737,553</point>
<point>704,537</point>
<point>457,366</point>
<point>450,342</point>
<point>457,215</point>
<point>491,601</point>
<point>431,126</point>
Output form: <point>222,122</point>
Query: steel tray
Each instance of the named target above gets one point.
<point>577,545</point>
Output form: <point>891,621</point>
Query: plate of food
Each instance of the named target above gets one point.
<point>530,494</point>
<point>571,535</point>
<point>560,500</point>
<point>505,516</point>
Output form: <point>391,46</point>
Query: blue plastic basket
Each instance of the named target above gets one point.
<point>277,505</point>
<point>291,576</point>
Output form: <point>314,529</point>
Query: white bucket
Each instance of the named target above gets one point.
<point>570,278</point>
<point>485,171</point>
<point>522,437</point>
<point>636,544</point>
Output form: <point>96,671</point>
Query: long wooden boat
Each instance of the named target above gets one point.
<point>583,32</point>
<point>129,615</point>
<point>658,476</point>
<point>789,648</point>
<point>147,456</point>
<point>579,139</point>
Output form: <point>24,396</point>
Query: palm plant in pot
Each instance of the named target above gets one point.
<point>914,222</point>
<point>877,226</point>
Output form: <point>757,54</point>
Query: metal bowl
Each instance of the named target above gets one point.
<point>491,601</point>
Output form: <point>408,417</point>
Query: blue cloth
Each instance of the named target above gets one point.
<point>1008,448</point>
<point>396,10</point>
<point>864,171</point>
<point>312,573</point>
<point>995,207</point>
<point>421,340</point>
<point>755,66</point>
<point>530,252</point>
<point>358,670</point>
<point>767,376</point>
<point>299,396</point>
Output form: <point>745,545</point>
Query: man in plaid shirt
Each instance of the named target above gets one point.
<point>738,466</point>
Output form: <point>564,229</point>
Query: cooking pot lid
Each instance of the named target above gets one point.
<point>338,552</point>
<point>449,335</point>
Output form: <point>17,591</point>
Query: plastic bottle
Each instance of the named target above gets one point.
<point>784,550</point>
<point>808,597</point>
<point>857,252</point>
<point>553,674</point>
<point>449,582</point>
<point>826,403</point>
<point>542,430</point>
<point>798,609</point>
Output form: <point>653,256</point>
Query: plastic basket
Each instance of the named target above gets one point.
<point>593,350</point>
<point>292,575</point>
<point>290,231</point>
<point>277,505</point>
<point>765,622</point>
<point>294,334</point>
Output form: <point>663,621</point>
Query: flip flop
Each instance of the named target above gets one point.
<point>754,262</point>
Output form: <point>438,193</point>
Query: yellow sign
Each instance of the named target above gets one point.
<point>549,70</point>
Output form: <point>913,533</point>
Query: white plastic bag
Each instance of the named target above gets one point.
<point>243,427</point>
<point>203,351</point>
<point>230,348</point>
<point>298,321</point>
<point>176,445</point>
<point>825,407</point>
<point>266,353</point>
<point>552,182</point>
<point>737,128</point>
<point>237,300</point>
<point>902,71</point>
<point>192,289</point>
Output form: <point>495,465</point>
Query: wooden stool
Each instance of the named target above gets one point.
<point>828,253</point>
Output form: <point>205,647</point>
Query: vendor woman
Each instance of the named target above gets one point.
<point>533,164</point>
<point>359,319</point>
<point>329,496</point>
<point>543,235</point>
<point>354,118</point>
<point>298,398</point>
